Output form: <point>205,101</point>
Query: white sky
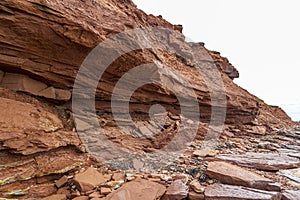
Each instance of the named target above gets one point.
<point>259,37</point>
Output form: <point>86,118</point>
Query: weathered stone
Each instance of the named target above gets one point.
<point>137,164</point>
<point>56,197</point>
<point>20,82</point>
<point>63,190</point>
<point>165,177</point>
<point>293,174</point>
<point>291,195</point>
<point>226,192</point>
<point>130,178</point>
<point>105,191</point>
<point>62,181</point>
<point>95,195</point>
<point>139,189</point>
<point>195,196</point>
<point>176,191</point>
<point>27,128</point>
<point>113,184</point>
<point>30,142</point>
<point>81,198</point>
<point>89,179</point>
<point>262,161</point>
<point>259,130</point>
<point>1,76</point>
<point>16,169</point>
<point>290,153</point>
<point>58,161</point>
<point>13,81</point>
<point>32,86</point>
<point>64,95</point>
<point>19,115</point>
<point>117,176</point>
<point>145,132</point>
<point>234,175</point>
<point>292,134</point>
<point>204,152</point>
<point>196,186</point>
<point>294,185</point>
<point>49,92</point>
<point>45,42</point>
<point>183,177</point>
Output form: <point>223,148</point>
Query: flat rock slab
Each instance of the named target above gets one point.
<point>15,169</point>
<point>235,175</point>
<point>138,189</point>
<point>89,179</point>
<point>19,115</point>
<point>290,152</point>
<point>292,134</point>
<point>62,181</point>
<point>20,82</point>
<point>195,196</point>
<point>176,191</point>
<point>56,197</point>
<point>291,195</point>
<point>228,192</point>
<point>81,198</point>
<point>293,174</point>
<point>29,142</point>
<point>261,161</point>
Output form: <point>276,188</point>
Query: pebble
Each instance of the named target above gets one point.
<point>196,186</point>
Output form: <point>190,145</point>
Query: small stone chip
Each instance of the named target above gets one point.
<point>61,182</point>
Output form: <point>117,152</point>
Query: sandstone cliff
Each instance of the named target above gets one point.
<point>43,43</point>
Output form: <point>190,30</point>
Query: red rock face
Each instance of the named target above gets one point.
<point>43,44</point>
<point>48,42</point>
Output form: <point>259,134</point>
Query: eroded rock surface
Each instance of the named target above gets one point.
<point>234,175</point>
<point>176,191</point>
<point>138,189</point>
<point>44,55</point>
<point>43,44</point>
<point>224,192</point>
<point>16,115</point>
<point>293,174</point>
<point>89,179</point>
<point>263,161</point>
<point>20,82</point>
<point>290,195</point>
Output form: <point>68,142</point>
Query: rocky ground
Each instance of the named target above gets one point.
<point>252,167</point>
<point>43,44</point>
<point>39,159</point>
